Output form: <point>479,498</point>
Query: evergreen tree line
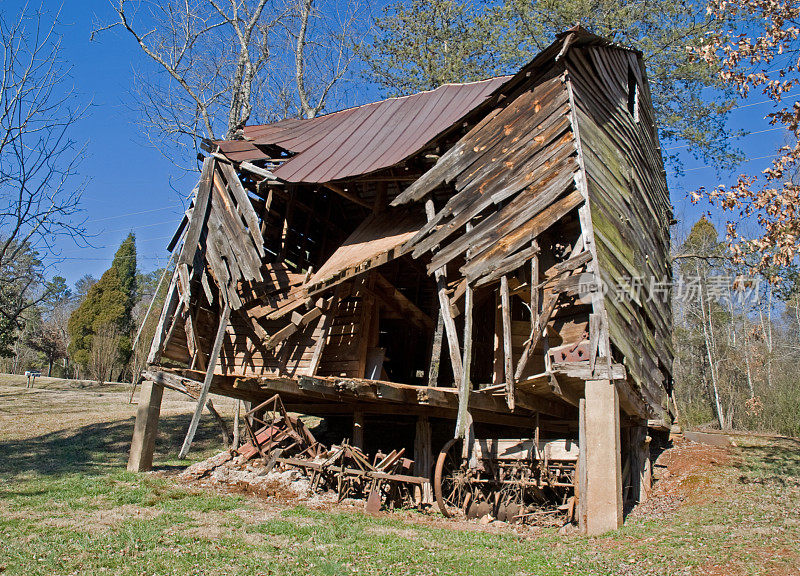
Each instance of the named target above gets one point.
<point>87,331</point>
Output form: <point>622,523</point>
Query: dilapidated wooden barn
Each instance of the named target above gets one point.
<point>485,260</point>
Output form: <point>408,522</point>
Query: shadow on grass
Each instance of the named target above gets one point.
<point>99,447</point>
<point>774,463</point>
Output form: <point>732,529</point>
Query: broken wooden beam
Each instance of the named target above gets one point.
<point>508,361</point>
<point>201,401</point>
<point>444,305</point>
<point>465,386</point>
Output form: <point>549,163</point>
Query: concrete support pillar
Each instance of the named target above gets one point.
<point>603,467</point>
<point>144,431</point>
<point>358,429</point>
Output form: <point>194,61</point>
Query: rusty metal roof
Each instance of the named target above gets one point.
<point>363,139</point>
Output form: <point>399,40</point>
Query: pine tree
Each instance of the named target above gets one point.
<point>108,306</point>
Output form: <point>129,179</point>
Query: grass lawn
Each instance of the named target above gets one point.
<point>67,506</point>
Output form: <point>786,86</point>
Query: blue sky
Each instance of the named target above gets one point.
<point>132,187</point>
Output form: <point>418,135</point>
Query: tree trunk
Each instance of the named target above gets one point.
<point>766,329</point>
<point>747,362</point>
<point>708,335</point>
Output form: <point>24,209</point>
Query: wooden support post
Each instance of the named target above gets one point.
<point>534,285</point>
<point>165,321</point>
<point>450,326</point>
<point>144,431</point>
<point>467,452</point>
<point>436,351</point>
<point>465,386</point>
<point>423,456</point>
<point>640,463</point>
<point>358,429</point>
<point>603,494</point>
<point>444,305</point>
<point>646,477</point>
<point>236,417</point>
<point>508,361</point>
<point>498,371</point>
<point>212,363</point>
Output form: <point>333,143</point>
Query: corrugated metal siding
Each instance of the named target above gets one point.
<point>364,139</point>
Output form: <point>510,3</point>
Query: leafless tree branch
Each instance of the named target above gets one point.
<point>39,159</point>
<point>217,67</point>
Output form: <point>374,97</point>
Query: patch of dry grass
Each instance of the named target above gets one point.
<point>68,507</point>
<point>56,405</point>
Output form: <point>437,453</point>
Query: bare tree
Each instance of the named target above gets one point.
<point>51,342</point>
<point>50,336</point>
<point>38,159</point>
<point>710,345</point>
<point>223,63</point>
<point>104,359</point>
<point>324,48</point>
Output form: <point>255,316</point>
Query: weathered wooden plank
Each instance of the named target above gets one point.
<point>436,351</point>
<point>201,401</point>
<point>509,240</point>
<point>480,138</point>
<point>237,236</point>
<point>523,158</point>
<point>508,362</point>
<point>199,213</point>
<point>465,386</point>
<point>444,305</point>
<point>244,206</point>
<point>508,183</point>
<point>508,264</point>
<point>524,207</point>
<point>293,327</point>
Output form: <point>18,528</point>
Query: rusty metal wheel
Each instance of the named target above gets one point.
<point>451,486</point>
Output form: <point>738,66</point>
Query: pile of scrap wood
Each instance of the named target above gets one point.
<point>274,432</point>
<point>282,442</point>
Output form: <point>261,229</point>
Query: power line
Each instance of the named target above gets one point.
<point>104,247</point>
<point>749,133</point>
<point>130,214</point>
<point>732,137</point>
<point>109,258</point>
<point>743,162</point>
<point>764,101</point>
